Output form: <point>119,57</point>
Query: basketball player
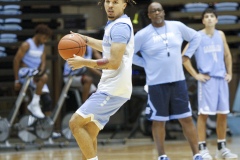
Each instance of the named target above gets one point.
<point>115,86</point>
<point>83,81</point>
<point>214,72</point>
<point>159,44</point>
<point>31,56</point>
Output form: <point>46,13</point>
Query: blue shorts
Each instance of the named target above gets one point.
<point>100,106</point>
<point>168,101</point>
<point>22,73</point>
<point>213,96</point>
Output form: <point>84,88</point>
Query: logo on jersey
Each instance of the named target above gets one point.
<point>213,49</point>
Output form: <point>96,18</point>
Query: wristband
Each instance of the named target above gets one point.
<point>103,61</point>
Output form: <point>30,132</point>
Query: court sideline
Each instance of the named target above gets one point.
<point>133,149</point>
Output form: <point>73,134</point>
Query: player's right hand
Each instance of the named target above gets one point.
<point>202,77</point>
<point>75,62</point>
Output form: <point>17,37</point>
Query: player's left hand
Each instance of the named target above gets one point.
<point>228,77</point>
<point>75,62</point>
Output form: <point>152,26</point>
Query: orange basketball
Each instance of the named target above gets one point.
<point>71,44</point>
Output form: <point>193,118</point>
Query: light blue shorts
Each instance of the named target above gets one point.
<point>100,106</point>
<point>213,96</point>
<point>22,78</point>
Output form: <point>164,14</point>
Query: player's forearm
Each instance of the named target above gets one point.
<point>94,43</point>
<point>228,63</point>
<point>42,66</point>
<point>16,65</point>
<point>187,64</point>
<point>103,63</point>
<point>193,45</point>
<point>137,60</point>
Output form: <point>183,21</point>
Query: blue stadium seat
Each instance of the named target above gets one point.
<point>227,19</point>
<point>11,10</point>
<point>8,38</point>
<point>226,6</point>
<point>11,24</point>
<point>195,7</point>
<point>2,52</point>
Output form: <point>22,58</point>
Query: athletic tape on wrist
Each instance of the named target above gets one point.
<point>101,62</point>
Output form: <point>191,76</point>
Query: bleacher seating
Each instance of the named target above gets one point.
<point>17,23</point>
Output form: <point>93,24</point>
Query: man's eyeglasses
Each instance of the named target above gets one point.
<point>156,10</point>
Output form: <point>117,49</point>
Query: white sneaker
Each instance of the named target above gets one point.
<point>205,154</point>
<point>56,135</point>
<point>225,153</point>
<point>35,110</point>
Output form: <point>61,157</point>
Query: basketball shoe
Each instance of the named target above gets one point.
<point>35,109</point>
<point>197,157</point>
<point>225,153</point>
<point>205,154</point>
<point>163,158</point>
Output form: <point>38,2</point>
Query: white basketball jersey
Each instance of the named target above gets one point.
<point>118,82</point>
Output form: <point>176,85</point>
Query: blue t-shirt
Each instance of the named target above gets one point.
<point>161,51</point>
<point>120,37</point>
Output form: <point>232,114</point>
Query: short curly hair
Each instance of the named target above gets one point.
<point>43,29</point>
<point>131,2</point>
<point>209,10</point>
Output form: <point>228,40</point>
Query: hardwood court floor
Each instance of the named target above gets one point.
<point>133,149</point>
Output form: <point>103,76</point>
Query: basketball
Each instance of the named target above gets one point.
<point>71,44</point>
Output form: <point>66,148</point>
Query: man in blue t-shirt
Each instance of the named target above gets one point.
<point>160,44</point>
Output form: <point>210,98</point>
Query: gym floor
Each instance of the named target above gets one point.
<point>139,147</point>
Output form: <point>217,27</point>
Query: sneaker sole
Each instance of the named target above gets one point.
<point>226,158</point>
<point>36,116</point>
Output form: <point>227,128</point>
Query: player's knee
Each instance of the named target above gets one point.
<point>88,79</point>
<point>203,117</point>
<point>71,124</point>
<point>74,123</point>
<point>44,78</point>
<point>46,102</point>
<point>186,122</point>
